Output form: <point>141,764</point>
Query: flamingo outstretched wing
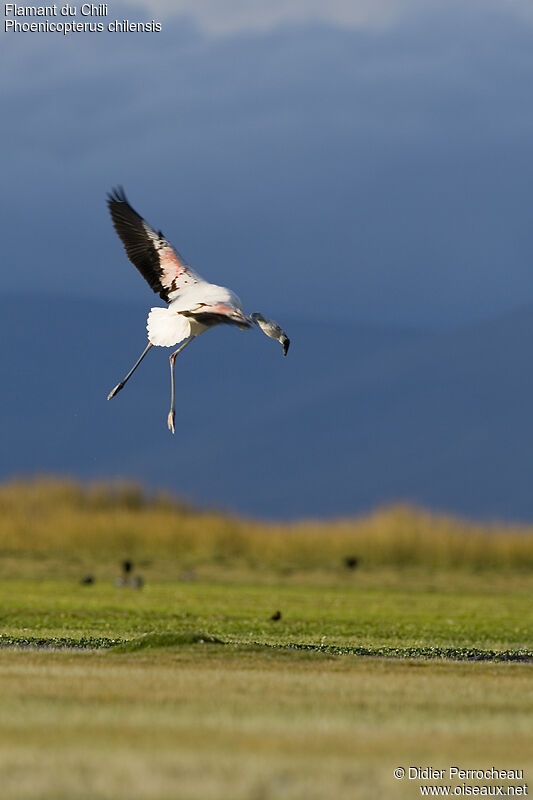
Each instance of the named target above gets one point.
<point>159,263</point>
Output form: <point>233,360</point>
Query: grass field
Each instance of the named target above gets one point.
<point>188,688</point>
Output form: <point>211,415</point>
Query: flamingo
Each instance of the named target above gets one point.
<point>193,304</point>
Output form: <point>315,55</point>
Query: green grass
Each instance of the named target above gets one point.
<point>189,689</point>
<point>396,620</point>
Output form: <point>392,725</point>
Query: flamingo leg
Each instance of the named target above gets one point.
<point>119,386</point>
<point>172,359</point>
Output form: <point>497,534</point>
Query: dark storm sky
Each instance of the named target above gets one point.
<point>372,165</point>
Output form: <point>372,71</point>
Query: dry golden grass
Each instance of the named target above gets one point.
<point>52,518</point>
<point>200,724</point>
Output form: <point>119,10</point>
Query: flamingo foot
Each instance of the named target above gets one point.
<point>116,390</point>
<point>171,421</point>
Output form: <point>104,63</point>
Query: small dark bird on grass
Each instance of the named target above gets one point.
<point>276,615</point>
<point>122,580</point>
<point>351,562</point>
<point>127,579</point>
<point>87,580</point>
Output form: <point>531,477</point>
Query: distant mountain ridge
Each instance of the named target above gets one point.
<point>355,416</point>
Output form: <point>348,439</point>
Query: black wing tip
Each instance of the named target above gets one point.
<point>117,195</point>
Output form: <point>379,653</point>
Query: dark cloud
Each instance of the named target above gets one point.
<point>377,174</point>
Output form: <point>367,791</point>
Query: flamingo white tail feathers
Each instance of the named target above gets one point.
<point>166,327</point>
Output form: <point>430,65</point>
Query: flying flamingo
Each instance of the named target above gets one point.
<point>194,305</point>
